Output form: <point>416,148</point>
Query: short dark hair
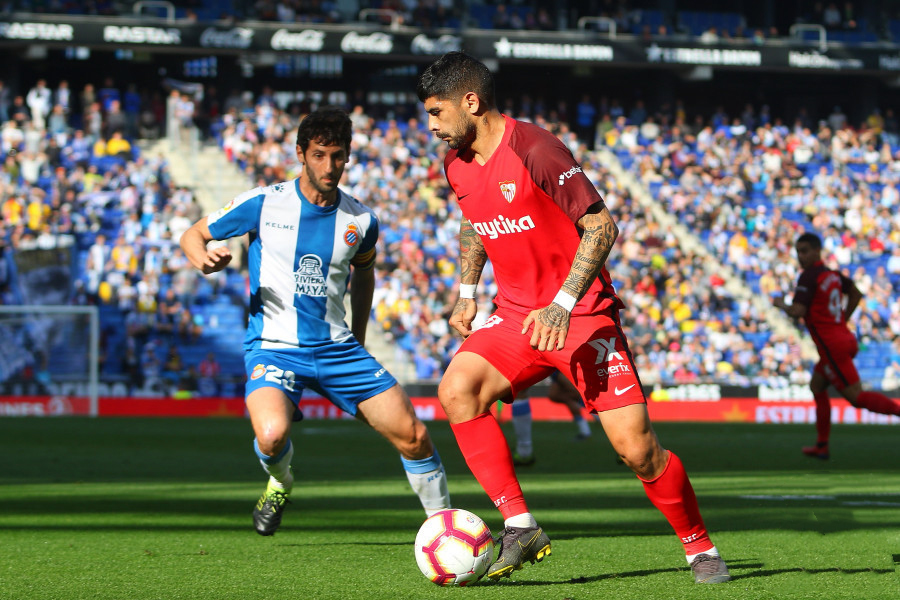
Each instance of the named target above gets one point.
<point>455,74</point>
<point>811,239</point>
<point>327,125</point>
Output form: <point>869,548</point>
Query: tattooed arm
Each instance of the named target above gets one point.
<point>472,258</point>
<point>551,323</point>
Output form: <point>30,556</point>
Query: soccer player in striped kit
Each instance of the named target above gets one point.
<point>528,207</point>
<point>308,241</point>
<point>826,299</point>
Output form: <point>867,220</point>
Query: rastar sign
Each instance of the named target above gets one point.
<point>141,35</point>
<point>36,31</point>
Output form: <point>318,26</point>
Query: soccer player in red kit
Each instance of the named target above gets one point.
<point>528,207</point>
<point>826,299</point>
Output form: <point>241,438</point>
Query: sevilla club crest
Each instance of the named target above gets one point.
<point>508,189</point>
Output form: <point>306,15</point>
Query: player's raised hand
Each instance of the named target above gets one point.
<point>551,324</point>
<point>216,259</point>
<point>463,315</point>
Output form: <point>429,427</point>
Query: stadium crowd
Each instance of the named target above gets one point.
<point>72,179</point>
<point>750,184</point>
<point>746,185</point>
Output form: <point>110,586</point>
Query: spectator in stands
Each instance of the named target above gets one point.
<point>108,94</point>
<point>114,119</point>
<point>63,97</point>
<point>118,146</point>
<point>173,364</point>
<point>19,112</point>
<point>97,258</point>
<point>893,263</point>
<point>5,98</point>
<point>184,113</point>
<point>40,101</point>
<point>585,119</point>
<point>837,119</point>
<point>831,17</point>
<point>93,122</point>
<point>709,36</point>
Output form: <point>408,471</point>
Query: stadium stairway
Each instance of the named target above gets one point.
<point>190,165</point>
<point>201,167</point>
<point>781,325</point>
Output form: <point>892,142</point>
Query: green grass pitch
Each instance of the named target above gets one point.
<point>132,509</point>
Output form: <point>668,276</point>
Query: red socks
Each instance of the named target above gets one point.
<point>673,495</point>
<point>877,403</point>
<point>823,417</point>
<point>484,447</point>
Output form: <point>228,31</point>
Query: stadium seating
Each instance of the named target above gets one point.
<point>698,192</point>
<point>685,327</point>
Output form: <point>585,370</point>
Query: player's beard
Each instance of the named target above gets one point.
<point>323,188</point>
<point>462,135</point>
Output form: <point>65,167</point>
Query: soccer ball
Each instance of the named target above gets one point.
<point>454,547</point>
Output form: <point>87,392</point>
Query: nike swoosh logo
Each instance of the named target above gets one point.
<point>620,392</point>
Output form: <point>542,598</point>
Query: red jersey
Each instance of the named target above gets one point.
<point>524,203</point>
<point>822,290</point>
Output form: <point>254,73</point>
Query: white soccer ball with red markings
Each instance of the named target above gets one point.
<point>454,547</point>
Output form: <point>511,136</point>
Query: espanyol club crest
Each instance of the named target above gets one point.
<point>351,236</point>
<point>508,189</point>
<point>258,371</point>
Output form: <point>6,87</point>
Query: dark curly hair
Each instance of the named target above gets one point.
<point>455,74</point>
<point>327,126</point>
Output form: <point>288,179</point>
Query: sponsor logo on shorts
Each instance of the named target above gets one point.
<point>491,321</point>
<point>614,370</point>
<point>276,375</point>
<point>380,372</point>
<point>606,350</point>
<point>258,371</point>
<point>619,392</point>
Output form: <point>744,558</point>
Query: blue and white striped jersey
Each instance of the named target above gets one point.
<point>299,262</point>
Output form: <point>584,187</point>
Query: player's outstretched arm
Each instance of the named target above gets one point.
<point>193,243</point>
<point>551,323</point>
<point>472,258</point>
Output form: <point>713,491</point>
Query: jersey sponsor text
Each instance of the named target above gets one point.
<point>501,225</point>
<point>308,278</point>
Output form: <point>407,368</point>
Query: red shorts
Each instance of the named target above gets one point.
<point>836,364</point>
<point>595,359</point>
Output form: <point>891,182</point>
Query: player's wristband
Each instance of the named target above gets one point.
<point>566,300</point>
<point>467,290</point>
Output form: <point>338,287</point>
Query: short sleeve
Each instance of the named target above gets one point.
<point>238,217</point>
<point>555,171</point>
<point>365,256</point>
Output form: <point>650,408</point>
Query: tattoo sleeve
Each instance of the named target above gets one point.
<point>472,256</point>
<point>600,233</point>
